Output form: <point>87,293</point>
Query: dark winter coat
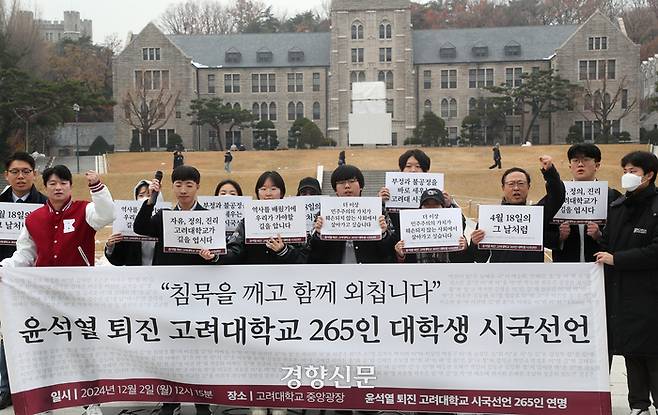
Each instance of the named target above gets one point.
<point>35,196</point>
<point>631,285</point>
<point>128,253</point>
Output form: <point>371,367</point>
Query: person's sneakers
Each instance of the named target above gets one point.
<point>639,412</point>
<point>279,411</point>
<point>94,410</point>
<point>5,400</point>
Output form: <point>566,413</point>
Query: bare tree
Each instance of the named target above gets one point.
<point>601,102</point>
<point>24,47</point>
<point>146,110</point>
<point>192,18</point>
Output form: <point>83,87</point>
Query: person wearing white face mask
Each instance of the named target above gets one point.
<point>630,256</point>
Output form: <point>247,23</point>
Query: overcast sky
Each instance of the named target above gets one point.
<point>122,16</point>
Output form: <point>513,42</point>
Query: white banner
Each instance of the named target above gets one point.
<point>510,227</point>
<point>351,218</point>
<point>584,202</point>
<point>264,219</point>
<point>405,188</point>
<point>232,205</point>
<point>312,209</point>
<point>391,337</point>
<point>125,212</point>
<point>12,220</point>
<point>188,231</point>
<point>431,230</point>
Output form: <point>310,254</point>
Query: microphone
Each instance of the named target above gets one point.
<point>154,195</point>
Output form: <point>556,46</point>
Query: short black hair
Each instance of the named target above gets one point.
<point>585,150</point>
<point>276,179</point>
<point>512,170</point>
<point>185,173</point>
<point>232,183</point>
<point>60,171</point>
<point>346,172</point>
<point>423,159</point>
<point>644,160</point>
<point>21,156</point>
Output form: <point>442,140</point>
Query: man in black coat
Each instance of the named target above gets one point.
<point>516,185</point>
<point>20,174</point>
<point>348,181</point>
<point>630,253</point>
<point>576,243</point>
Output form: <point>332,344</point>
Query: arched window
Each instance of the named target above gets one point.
<point>385,30</point>
<point>445,111</point>
<point>597,100</point>
<point>291,111</point>
<point>236,107</point>
<point>428,105</point>
<point>357,30</point>
<point>300,110</point>
<point>256,110</point>
<point>587,105</point>
<point>453,108</point>
<point>606,102</point>
<point>386,77</point>
<point>472,106</point>
<point>272,111</point>
<point>316,110</point>
<point>264,115</point>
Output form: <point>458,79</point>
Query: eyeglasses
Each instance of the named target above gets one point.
<point>348,181</point>
<point>15,172</point>
<point>518,183</point>
<point>583,160</point>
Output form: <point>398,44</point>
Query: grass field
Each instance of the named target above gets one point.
<point>466,169</point>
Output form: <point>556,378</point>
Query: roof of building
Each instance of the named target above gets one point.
<point>537,43</point>
<point>210,50</point>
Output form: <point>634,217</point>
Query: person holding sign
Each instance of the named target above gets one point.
<point>516,186</point>
<point>630,253</point>
<point>269,186</point>
<point>20,173</point>
<point>348,181</point>
<point>132,253</point>
<point>434,199</point>
<point>185,185</point>
<point>575,242</point>
<point>228,187</point>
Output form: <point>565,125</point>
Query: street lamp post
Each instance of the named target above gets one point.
<point>76,109</point>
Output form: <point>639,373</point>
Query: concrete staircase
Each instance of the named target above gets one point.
<point>374,180</point>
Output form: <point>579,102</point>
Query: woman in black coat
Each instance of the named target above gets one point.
<point>630,241</point>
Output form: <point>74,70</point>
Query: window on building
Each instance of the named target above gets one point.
<point>299,110</point>
<point>264,113</point>
<point>357,55</point>
<point>612,68</point>
<point>480,51</point>
<point>236,106</point>
<point>472,106</point>
<point>254,83</point>
<point>296,82</point>
<point>513,77</point>
<point>233,138</point>
<point>156,80</point>
<point>445,108</point>
<point>357,76</point>
<point>385,54</point>
<point>233,56</point>
<point>624,98</point>
<point>427,79</point>
<point>449,78</point>
<point>264,56</point>
<point>512,49</point>
<point>387,78</point>
<point>255,110</point>
<point>534,134</point>
<point>272,111</point>
<point>390,106</point>
<point>597,43</point>
<point>150,54</point>
<point>316,110</point>
<point>453,108</point>
<point>357,31</point>
<point>427,107</point>
<point>211,83</point>
<point>231,83</point>
<point>295,55</point>
<point>291,111</point>
<point>587,102</point>
<point>385,30</point>
<point>447,51</point>
<point>263,82</point>
<point>452,134</point>
<point>177,108</point>
<point>152,80</point>
<point>316,81</point>
<point>472,78</point>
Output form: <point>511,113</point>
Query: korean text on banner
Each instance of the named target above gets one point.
<point>351,218</point>
<point>584,202</point>
<point>264,219</point>
<point>188,231</point>
<point>12,220</point>
<point>406,188</point>
<point>431,230</point>
<point>233,207</point>
<point>125,212</point>
<point>510,227</point>
<point>312,209</point>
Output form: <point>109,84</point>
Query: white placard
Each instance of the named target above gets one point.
<point>351,218</point>
<point>12,220</point>
<point>264,219</point>
<point>232,205</point>
<point>125,212</point>
<point>188,231</point>
<point>431,230</point>
<point>508,227</point>
<point>434,337</point>
<point>370,129</point>
<point>584,202</point>
<point>312,209</point>
<point>406,188</point>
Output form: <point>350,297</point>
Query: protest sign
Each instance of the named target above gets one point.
<point>12,220</point>
<point>265,219</point>
<point>507,227</point>
<point>406,188</point>
<point>188,231</point>
<point>233,206</point>
<point>312,209</point>
<point>125,212</point>
<point>457,338</point>
<point>431,230</point>
<point>351,218</point>
<point>584,202</point>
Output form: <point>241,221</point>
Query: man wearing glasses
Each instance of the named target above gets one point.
<point>516,185</point>
<point>20,174</point>
<point>577,243</point>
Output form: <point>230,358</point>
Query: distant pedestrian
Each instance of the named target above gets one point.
<point>179,159</point>
<point>341,158</point>
<point>228,158</point>
<point>496,157</point>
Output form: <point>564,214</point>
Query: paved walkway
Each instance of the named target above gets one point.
<point>617,388</point>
